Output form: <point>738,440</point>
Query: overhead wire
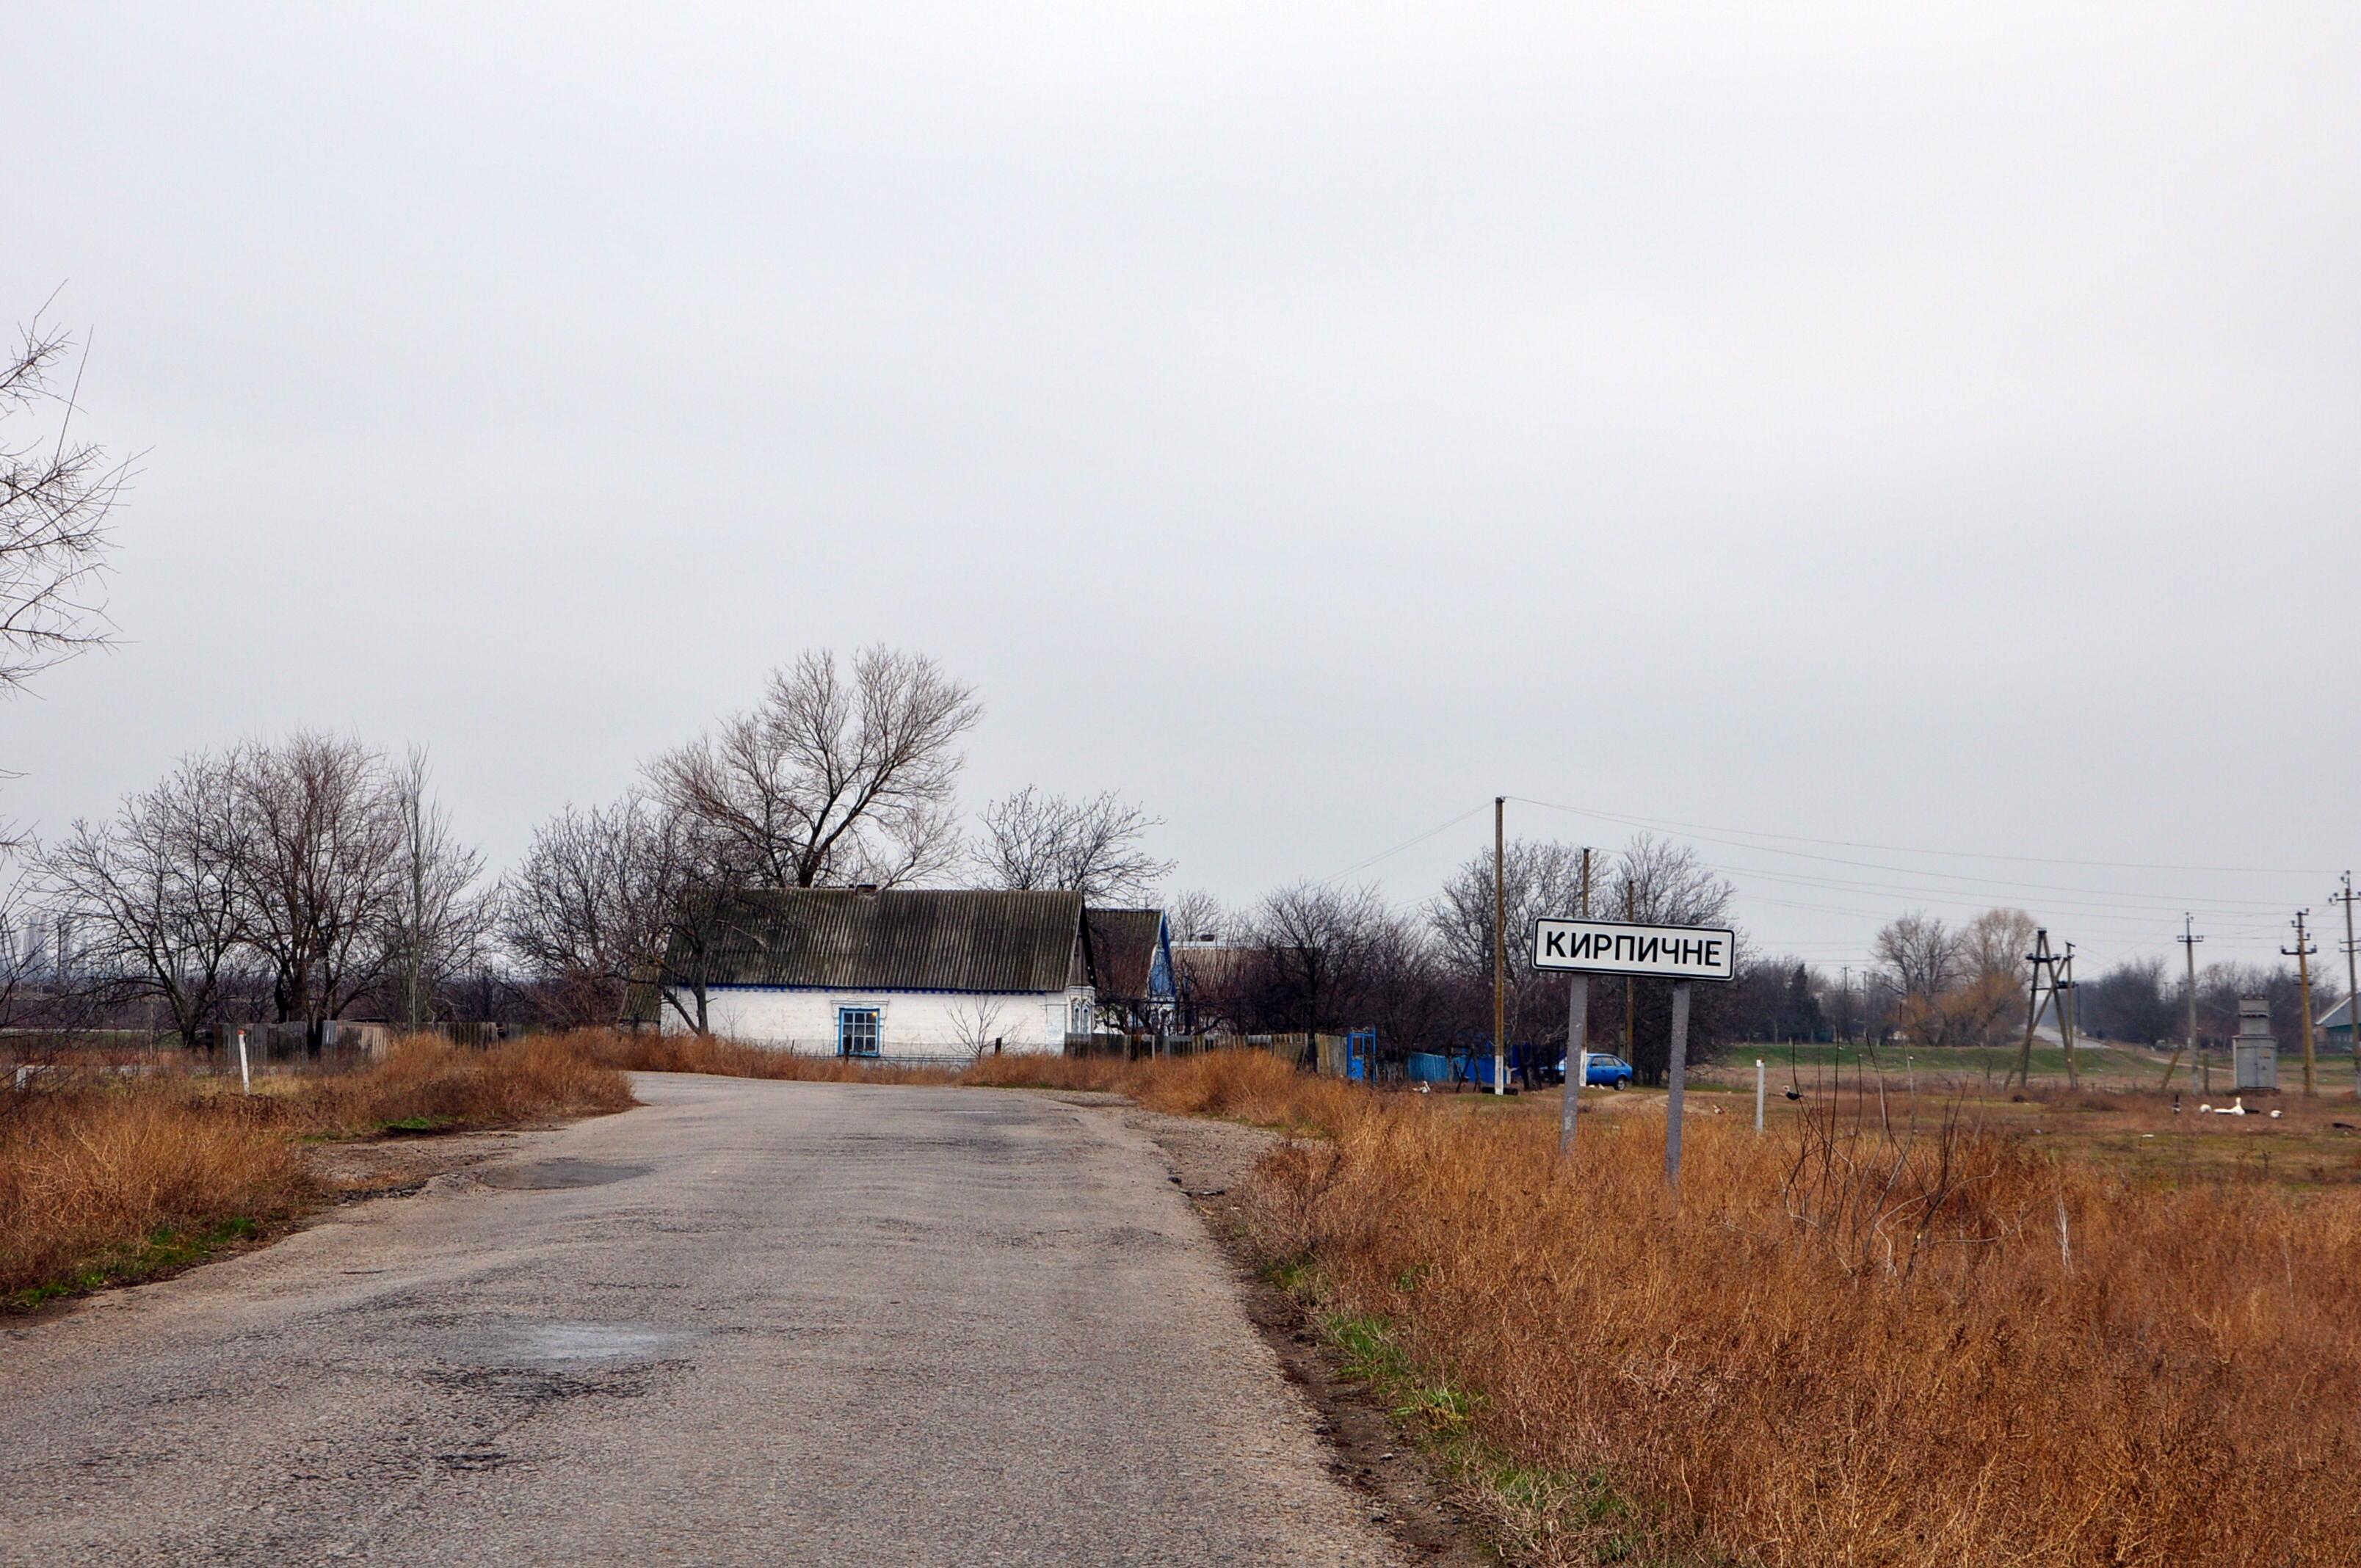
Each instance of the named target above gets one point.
<point>2234,918</point>
<point>1629,820</point>
<point>1398,848</point>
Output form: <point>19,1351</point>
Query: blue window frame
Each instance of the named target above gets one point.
<point>856,1031</point>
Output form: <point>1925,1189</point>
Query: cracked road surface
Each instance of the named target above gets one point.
<point>750,1323</point>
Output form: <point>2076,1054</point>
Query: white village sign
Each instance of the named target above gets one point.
<point>1653,952</point>
<point>1677,953</point>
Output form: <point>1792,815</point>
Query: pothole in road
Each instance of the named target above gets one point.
<point>540,1387</point>
<point>476,1460</point>
<point>530,1342</point>
<point>553,1175</point>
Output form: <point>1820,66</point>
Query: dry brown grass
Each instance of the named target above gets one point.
<point>1841,1347</point>
<point>646,1051</point>
<point>1246,1086</point>
<point>111,1178</point>
<point>89,1176</point>
<point>1250,1086</point>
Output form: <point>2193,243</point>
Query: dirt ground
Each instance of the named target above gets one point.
<point>398,1164</point>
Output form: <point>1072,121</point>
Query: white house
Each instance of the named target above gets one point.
<point>910,974</point>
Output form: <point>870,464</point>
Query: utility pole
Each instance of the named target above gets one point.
<point>2043,963</point>
<point>1577,1033</point>
<point>1845,990</point>
<point>2066,1017</point>
<point>2302,953</point>
<point>2352,984</point>
<point>1499,944</point>
<point>1631,1035</point>
<point>2189,940</point>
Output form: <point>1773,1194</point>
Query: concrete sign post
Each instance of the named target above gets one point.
<point>1677,1075</point>
<point>1577,1058</point>
<point>1678,953</point>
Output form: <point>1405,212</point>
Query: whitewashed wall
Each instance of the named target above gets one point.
<point>911,1023</point>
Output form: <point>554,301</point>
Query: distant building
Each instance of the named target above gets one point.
<point>1207,976</point>
<point>2335,1027</point>
<point>906,973</point>
<point>1131,956</point>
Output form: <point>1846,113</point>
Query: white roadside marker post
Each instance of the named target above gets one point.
<point>1759,1082</point>
<point>244,1074</point>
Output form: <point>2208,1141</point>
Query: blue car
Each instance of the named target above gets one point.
<point>1604,1071</point>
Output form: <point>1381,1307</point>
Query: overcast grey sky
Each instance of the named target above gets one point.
<point>1904,425</point>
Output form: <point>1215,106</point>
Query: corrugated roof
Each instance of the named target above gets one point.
<point>899,940</point>
<point>1124,942</point>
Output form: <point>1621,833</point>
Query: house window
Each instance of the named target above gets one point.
<point>856,1031</point>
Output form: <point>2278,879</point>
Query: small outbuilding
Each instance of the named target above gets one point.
<point>2335,1027</point>
<point>906,973</point>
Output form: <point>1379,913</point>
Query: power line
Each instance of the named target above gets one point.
<point>1398,848</point>
<point>1704,835</point>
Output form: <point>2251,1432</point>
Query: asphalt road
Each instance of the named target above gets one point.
<point>749,1323</point>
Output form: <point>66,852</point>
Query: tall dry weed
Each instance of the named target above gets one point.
<point>87,1172</point>
<point>1859,1344</point>
<point>108,1176</point>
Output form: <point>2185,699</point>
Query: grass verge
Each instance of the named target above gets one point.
<point>1842,1344</point>
<point>114,1179</point>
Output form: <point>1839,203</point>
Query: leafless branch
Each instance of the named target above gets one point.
<point>1037,840</point>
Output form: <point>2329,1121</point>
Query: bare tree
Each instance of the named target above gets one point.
<point>831,779</point>
<point>1539,878</point>
<point>440,918</point>
<point>1197,916</point>
<point>1325,959</point>
<point>155,893</point>
<point>1659,883</point>
<point>1035,841</point>
<point>1996,942</point>
<point>319,871</point>
<point>589,911</point>
<point>976,1024</point>
<point>1923,953</point>
<point>55,495</point>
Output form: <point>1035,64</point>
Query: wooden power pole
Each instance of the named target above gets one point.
<point>2302,953</point>
<point>1577,1033</point>
<point>2065,988</point>
<point>2352,984</point>
<point>1499,945</point>
<point>1630,1001</point>
<point>2197,1063</point>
